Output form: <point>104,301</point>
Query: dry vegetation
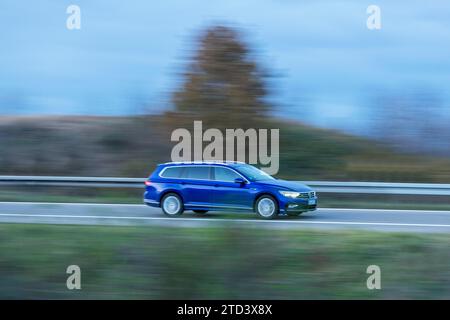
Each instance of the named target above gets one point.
<point>131,146</point>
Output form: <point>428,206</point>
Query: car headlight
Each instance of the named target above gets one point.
<point>290,194</point>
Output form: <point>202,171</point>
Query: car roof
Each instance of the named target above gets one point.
<point>223,163</point>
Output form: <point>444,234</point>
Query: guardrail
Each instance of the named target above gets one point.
<point>435,189</point>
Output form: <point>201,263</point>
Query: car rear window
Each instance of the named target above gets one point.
<point>196,173</point>
<point>172,172</point>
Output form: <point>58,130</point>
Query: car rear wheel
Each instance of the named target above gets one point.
<point>266,207</point>
<point>172,205</point>
<point>200,211</point>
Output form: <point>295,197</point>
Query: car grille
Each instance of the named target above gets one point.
<point>307,195</point>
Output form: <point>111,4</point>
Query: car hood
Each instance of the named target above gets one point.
<point>286,185</point>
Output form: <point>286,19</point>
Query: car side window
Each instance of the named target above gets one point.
<point>225,174</point>
<point>172,172</point>
<point>200,173</point>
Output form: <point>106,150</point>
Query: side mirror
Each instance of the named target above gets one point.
<point>240,181</point>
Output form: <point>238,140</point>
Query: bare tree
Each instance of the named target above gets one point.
<point>223,86</point>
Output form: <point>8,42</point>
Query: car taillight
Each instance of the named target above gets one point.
<point>148,182</point>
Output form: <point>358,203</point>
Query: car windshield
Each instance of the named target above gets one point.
<point>254,174</point>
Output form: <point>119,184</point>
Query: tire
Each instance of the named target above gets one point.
<point>172,205</point>
<point>294,214</point>
<point>200,211</point>
<point>266,207</point>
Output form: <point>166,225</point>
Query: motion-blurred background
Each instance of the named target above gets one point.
<point>351,103</point>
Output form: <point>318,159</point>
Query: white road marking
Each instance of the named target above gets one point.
<point>233,220</point>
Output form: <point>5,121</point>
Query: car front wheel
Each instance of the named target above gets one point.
<point>266,207</point>
<point>172,205</point>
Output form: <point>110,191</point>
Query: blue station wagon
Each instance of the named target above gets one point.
<point>206,186</point>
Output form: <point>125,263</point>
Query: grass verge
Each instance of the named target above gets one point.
<point>219,263</point>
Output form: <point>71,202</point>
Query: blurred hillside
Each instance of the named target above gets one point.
<point>132,146</point>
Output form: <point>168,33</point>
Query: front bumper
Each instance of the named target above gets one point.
<point>298,204</point>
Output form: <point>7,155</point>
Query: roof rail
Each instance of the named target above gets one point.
<point>203,162</point>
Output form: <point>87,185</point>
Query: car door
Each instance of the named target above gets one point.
<point>227,193</point>
<point>196,184</point>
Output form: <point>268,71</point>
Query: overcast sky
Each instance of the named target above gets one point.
<point>328,64</point>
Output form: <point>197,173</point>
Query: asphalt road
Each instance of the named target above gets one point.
<point>323,218</point>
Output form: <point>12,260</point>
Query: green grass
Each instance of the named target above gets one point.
<point>223,263</point>
<point>72,197</point>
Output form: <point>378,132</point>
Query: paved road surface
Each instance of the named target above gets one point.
<point>323,218</point>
